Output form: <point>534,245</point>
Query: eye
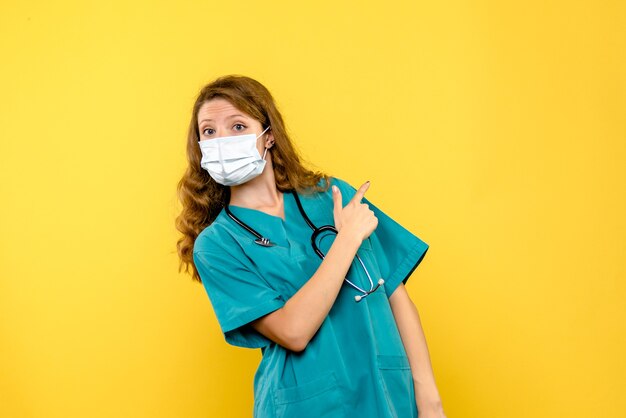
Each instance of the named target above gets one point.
<point>239,127</point>
<point>209,130</point>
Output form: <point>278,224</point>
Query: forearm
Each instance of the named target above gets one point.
<point>414,341</point>
<point>308,307</point>
<point>295,324</point>
<point>297,321</point>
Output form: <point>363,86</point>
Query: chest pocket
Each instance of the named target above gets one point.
<point>366,245</point>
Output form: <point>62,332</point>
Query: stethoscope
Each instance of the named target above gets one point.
<point>265,242</point>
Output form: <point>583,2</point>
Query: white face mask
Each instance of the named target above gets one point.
<point>232,160</point>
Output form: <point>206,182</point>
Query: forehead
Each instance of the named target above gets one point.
<point>218,109</point>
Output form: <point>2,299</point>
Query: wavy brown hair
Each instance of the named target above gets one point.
<point>202,197</point>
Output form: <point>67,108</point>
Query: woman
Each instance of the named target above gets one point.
<point>331,347</point>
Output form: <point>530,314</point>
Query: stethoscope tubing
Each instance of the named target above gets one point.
<point>259,238</point>
<point>316,231</point>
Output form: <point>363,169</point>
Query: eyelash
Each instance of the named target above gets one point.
<point>240,124</point>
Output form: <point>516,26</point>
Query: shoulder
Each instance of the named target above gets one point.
<point>342,184</point>
<point>215,237</point>
<point>346,189</point>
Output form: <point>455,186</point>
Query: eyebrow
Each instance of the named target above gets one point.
<point>227,117</point>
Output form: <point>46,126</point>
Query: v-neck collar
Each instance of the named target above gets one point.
<point>269,226</point>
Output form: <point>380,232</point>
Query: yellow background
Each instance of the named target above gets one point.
<point>494,131</point>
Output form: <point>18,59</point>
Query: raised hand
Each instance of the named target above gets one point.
<point>355,219</point>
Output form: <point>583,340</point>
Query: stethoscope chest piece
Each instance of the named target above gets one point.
<point>260,240</point>
<point>264,242</point>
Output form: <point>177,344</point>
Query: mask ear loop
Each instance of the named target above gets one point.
<point>265,152</point>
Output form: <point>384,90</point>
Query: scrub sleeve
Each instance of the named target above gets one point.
<point>355,365</point>
<point>237,293</point>
<point>398,251</point>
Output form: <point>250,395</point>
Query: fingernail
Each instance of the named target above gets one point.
<point>334,189</point>
<point>367,181</point>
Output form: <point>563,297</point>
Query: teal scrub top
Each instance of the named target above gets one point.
<point>356,364</point>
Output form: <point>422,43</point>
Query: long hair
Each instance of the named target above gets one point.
<point>202,197</point>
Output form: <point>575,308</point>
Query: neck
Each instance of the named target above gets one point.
<point>260,192</point>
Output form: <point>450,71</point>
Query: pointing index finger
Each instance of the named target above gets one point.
<point>361,192</point>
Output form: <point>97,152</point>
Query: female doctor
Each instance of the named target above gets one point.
<point>300,265</point>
